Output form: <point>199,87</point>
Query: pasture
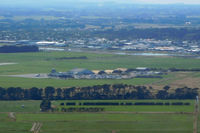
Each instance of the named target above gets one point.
<point>99,123</point>
<point>151,119</point>
<point>34,106</point>
<point>43,62</point>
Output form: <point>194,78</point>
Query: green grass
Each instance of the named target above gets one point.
<point>15,106</point>
<point>42,83</point>
<point>34,106</point>
<point>43,62</point>
<point>136,108</point>
<point>7,126</point>
<point>1,44</point>
<point>99,123</point>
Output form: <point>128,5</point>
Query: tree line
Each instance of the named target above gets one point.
<point>81,109</point>
<point>179,34</point>
<point>122,103</point>
<point>17,49</point>
<point>97,92</point>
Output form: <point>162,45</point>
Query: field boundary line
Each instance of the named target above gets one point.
<point>105,112</point>
<point>196,114</point>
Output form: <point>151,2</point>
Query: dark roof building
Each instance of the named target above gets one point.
<point>80,71</point>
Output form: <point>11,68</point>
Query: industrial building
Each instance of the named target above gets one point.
<point>119,73</point>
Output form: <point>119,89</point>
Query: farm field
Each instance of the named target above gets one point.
<point>99,123</point>
<point>42,83</point>
<point>43,62</point>
<point>34,106</point>
<point>119,121</point>
<point>124,123</point>
<point>179,79</point>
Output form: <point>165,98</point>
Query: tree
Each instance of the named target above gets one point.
<point>143,93</point>
<point>14,93</point>
<point>59,94</point>
<point>49,92</point>
<point>162,94</point>
<point>35,94</point>
<point>45,105</point>
<point>166,88</point>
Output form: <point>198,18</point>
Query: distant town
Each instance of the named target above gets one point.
<point>183,47</point>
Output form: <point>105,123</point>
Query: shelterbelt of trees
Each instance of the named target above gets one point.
<point>17,49</point>
<point>98,92</point>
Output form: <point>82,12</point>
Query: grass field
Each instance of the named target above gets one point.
<point>15,106</point>
<point>34,106</point>
<point>1,44</point>
<point>105,122</point>
<point>27,83</point>
<point>43,62</point>
<point>133,108</point>
<point>99,123</point>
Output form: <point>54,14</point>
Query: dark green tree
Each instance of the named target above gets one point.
<point>49,93</point>
<point>14,93</point>
<point>162,94</point>
<point>59,94</point>
<point>45,105</point>
<point>166,88</point>
<point>35,94</point>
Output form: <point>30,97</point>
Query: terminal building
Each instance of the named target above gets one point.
<point>71,74</point>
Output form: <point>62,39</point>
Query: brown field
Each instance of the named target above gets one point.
<point>179,79</point>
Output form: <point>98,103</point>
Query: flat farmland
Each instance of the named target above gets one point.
<point>34,106</point>
<point>149,119</point>
<point>99,123</point>
<point>43,62</point>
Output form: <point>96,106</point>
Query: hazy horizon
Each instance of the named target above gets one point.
<point>39,2</point>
